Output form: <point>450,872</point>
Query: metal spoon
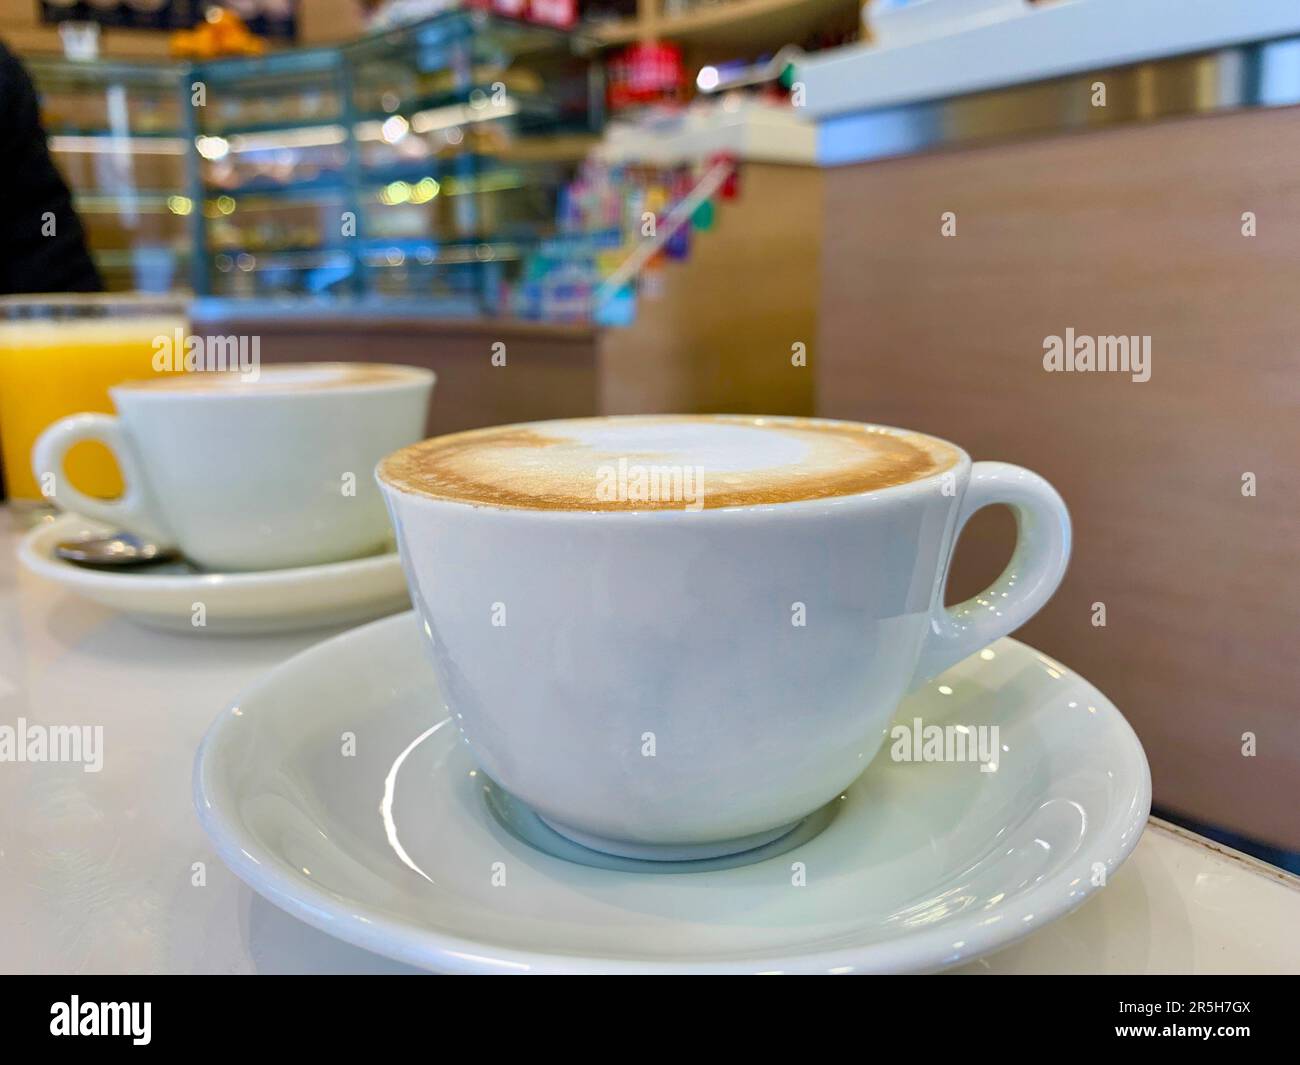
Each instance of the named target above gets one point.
<point>113,552</point>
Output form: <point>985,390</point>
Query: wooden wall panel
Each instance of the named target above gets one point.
<point>718,338</point>
<point>1130,231</point>
<point>550,371</point>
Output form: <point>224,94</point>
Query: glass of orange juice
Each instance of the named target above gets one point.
<point>59,355</point>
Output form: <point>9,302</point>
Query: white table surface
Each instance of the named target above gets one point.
<point>97,869</point>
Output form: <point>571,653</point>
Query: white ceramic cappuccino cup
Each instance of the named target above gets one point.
<point>684,683</point>
<point>248,474</point>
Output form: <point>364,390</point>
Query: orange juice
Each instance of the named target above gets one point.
<point>62,364</point>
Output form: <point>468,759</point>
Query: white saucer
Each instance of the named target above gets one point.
<point>405,849</point>
<point>284,600</point>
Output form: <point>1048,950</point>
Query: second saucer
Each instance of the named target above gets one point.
<point>284,600</point>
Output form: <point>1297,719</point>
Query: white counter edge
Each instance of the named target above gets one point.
<point>1064,38</point>
<point>754,135</point>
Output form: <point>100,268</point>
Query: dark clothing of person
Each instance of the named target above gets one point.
<point>42,246</point>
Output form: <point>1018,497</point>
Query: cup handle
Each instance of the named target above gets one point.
<point>134,511</point>
<point>1031,577</point>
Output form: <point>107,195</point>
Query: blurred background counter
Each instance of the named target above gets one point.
<point>424,163</point>
<point>431,178</point>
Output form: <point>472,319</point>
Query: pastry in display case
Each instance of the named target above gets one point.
<point>420,165</point>
<point>271,176</point>
<point>117,132</point>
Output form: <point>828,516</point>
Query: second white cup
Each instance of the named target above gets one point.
<point>248,475</point>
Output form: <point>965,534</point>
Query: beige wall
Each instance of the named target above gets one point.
<point>328,21</point>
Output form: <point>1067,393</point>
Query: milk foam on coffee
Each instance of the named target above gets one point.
<point>656,462</point>
<point>282,377</point>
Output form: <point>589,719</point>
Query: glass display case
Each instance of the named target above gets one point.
<point>118,134</point>
<point>420,167</point>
